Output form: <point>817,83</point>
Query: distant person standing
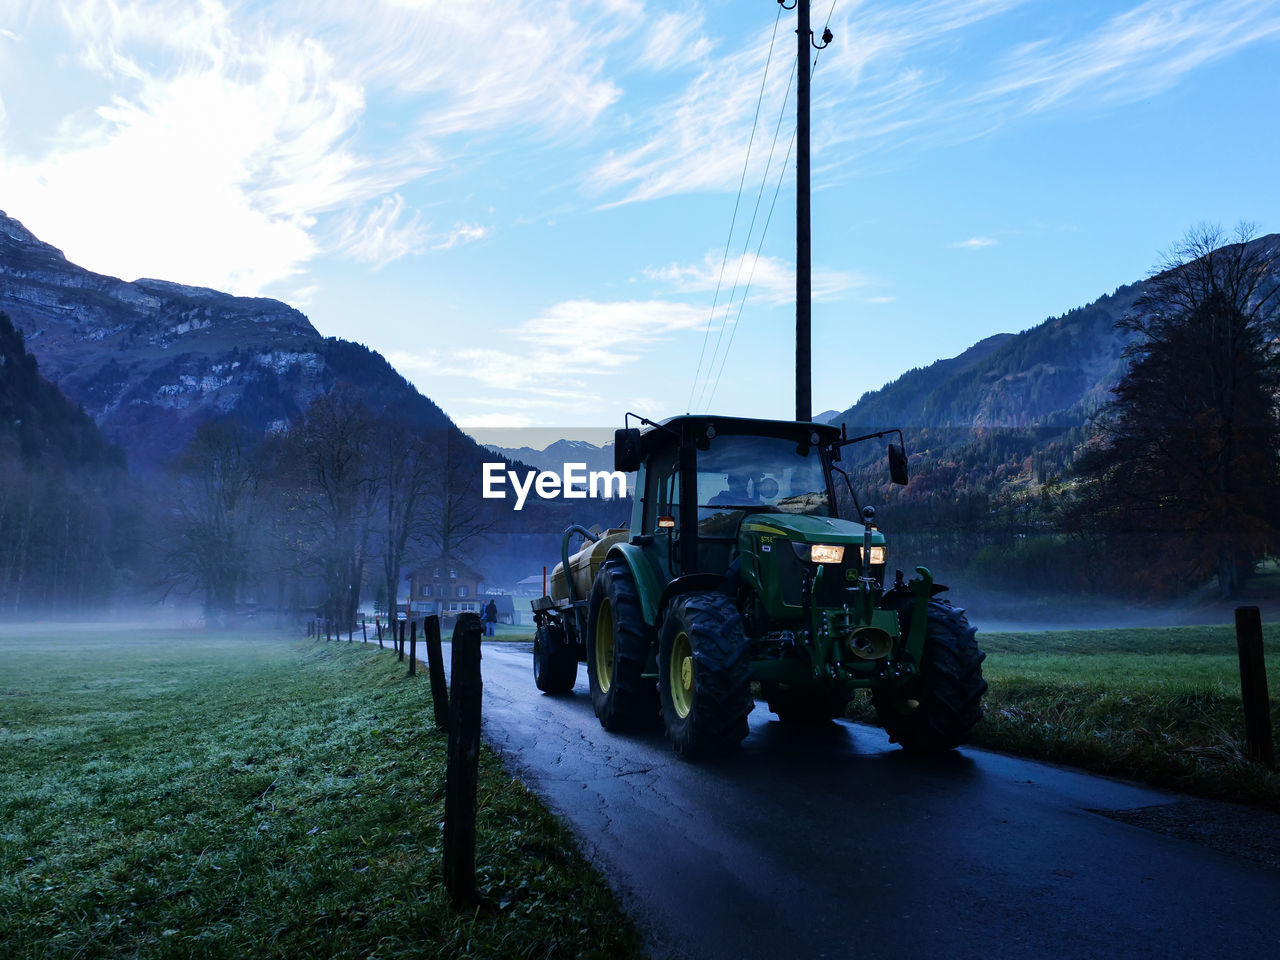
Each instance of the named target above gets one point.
<point>490,618</point>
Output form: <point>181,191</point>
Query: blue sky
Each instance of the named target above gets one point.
<point>526,205</point>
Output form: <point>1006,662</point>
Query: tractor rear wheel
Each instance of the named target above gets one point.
<point>936,710</point>
<point>618,643</point>
<point>704,677</point>
<point>555,663</point>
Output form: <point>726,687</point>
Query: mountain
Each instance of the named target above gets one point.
<point>38,424</point>
<point>993,435</point>
<point>68,535</point>
<point>1052,376</point>
<point>1055,373</point>
<point>151,360</point>
<point>555,455</point>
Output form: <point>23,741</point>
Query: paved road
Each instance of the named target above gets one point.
<point>841,846</point>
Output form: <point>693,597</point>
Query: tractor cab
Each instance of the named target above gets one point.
<point>705,481</point>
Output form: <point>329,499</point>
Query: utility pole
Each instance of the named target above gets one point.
<point>804,260</point>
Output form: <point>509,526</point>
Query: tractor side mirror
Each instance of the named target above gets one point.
<point>898,463</point>
<point>626,450</point>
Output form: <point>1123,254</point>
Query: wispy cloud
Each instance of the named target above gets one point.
<point>462,233</point>
<point>1134,54</point>
<point>676,40</point>
<point>379,237</point>
<point>220,150</point>
<point>697,140</point>
<point>483,66</point>
<point>241,142</point>
<point>555,360</point>
<point>762,279</point>
<point>885,84</point>
<point>973,243</point>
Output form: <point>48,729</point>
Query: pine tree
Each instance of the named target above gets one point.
<point>1183,476</point>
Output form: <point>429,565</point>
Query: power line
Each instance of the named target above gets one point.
<point>764,179</point>
<point>752,274</point>
<point>734,219</point>
<point>716,382</point>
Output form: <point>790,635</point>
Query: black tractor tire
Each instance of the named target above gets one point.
<point>936,710</point>
<point>704,676</point>
<point>802,706</point>
<point>618,644</point>
<point>555,662</point>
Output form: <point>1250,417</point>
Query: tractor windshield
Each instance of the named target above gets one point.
<point>742,474</point>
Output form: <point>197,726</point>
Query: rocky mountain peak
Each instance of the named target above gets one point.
<point>150,360</point>
<point>13,234</point>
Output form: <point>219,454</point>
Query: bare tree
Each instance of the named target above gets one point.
<point>215,484</point>
<point>404,471</point>
<point>458,522</point>
<point>331,444</point>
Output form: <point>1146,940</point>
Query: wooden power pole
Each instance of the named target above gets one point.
<point>804,261</point>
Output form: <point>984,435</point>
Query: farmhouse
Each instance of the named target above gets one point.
<point>446,589</point>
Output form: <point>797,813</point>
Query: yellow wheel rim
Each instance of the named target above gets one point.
<point>604,646</point>
<point>681,675</point>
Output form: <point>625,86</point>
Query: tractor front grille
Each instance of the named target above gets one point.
<point>831,592</point>
<point>793,572</point>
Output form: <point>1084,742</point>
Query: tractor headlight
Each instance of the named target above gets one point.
<point>824,553</point>
<point>877,555</point>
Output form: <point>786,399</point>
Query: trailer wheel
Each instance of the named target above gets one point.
<point>555,664</point>
<point>618,643</point>
<point>704,677</point>
<point>937,709</point>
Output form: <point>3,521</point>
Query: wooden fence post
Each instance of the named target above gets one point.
<point>364,630</point>
<point>400,645</point>
<point>377,625</point>
<point>413,647</point>
<point>1253,686</point>
<point>435,667</point>
<point>463,765</point>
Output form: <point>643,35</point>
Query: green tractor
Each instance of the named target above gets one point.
<point>748,559</point>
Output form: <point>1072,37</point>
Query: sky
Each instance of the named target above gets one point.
<point>546,214</point>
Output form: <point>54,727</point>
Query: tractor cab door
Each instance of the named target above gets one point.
<point>661,517</point>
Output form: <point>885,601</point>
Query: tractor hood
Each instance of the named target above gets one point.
<point>802,528</point>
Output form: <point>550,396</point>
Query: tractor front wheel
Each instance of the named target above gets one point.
<point>936,710</point>
<point>555,664</point>
<point>704,677</point>
<point>618,642</point>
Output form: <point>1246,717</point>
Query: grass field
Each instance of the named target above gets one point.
<point>166,794</point>
<point>1160,705</point>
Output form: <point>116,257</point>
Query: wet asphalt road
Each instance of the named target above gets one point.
<point>840,846</point>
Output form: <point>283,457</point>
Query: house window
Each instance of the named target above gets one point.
<point>462,591</point>
<point>453,573</point>
<point>425,590</point>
